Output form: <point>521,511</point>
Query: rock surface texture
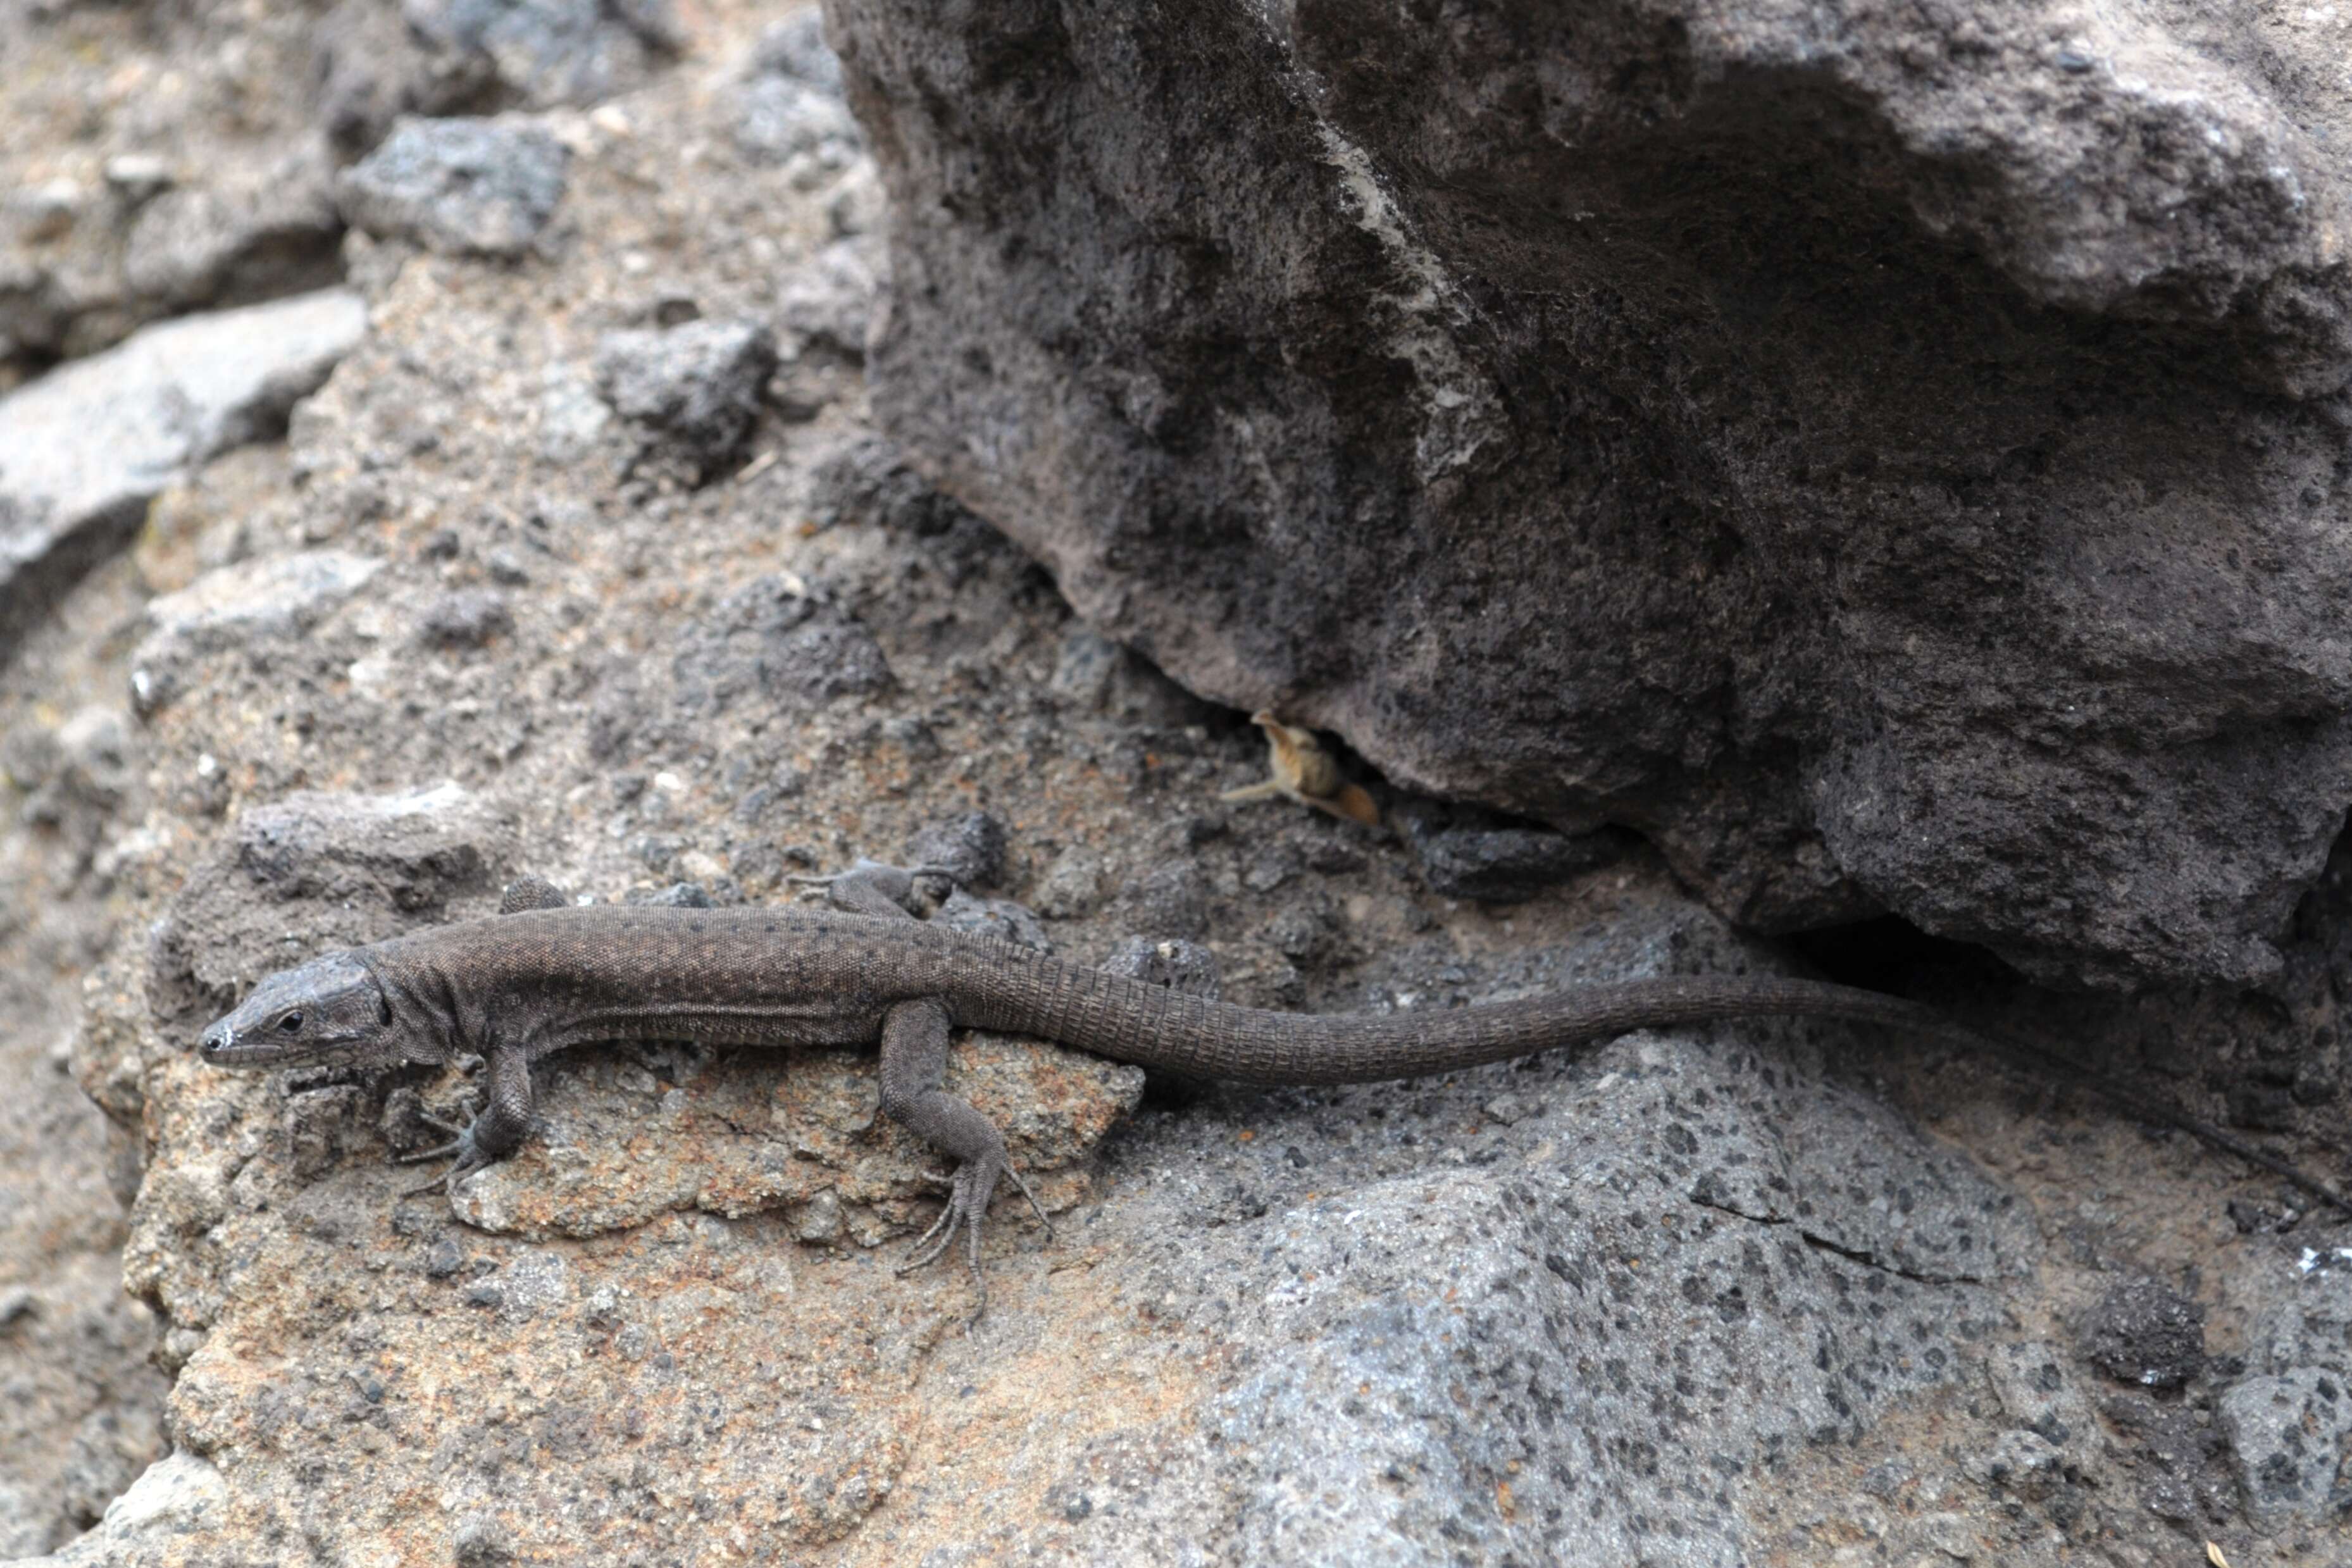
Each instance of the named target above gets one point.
<point>84,450</point>
<point>588,560</point>
<point>1894,457</point>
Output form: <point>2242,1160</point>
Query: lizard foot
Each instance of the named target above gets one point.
<point>968,1193</point>
<point>470,1157</point>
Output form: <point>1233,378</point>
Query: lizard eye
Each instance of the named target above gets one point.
<point>291,1024</point>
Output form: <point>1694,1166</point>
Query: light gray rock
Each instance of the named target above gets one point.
<point>84,450</point>
<point>178,1496</point>
<point>2287,1438</point>
<point>778,118</point>
<point>831,300</point>
<point>461,186</point>
<point>254,601</point>
<point>795,47</point>
<point>1892,457</point>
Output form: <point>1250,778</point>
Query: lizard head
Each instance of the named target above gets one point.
<point>331,1009</point>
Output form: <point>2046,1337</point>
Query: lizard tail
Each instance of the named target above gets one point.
<point>1128,1021</point>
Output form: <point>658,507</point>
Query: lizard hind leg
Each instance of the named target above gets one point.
<point>872,887</point>
<point>914,1061</point>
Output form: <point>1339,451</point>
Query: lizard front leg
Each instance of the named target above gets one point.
<point>914,1063</point>
<point>495,1130</point>
<point>875,888</point>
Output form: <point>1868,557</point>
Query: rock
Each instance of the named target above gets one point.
<point>85,448</point>
<point>243,607</point>
<point>1072,886</point>
<point>572,420</point>
<point>831,300</point>
<point>1178,964</point>
<point>2035,1390</point>
<point>2306,1317</point>
<point>1576,402</point>
<point>2143,1334</point>
<point>1470,855</point>
<point>2287,1438</point>
<point>179,1495</point>
<point>371,68</point>
<point>868,481</point>
<point>676,896</point>
<point>775,639</point>
<point>789,109</point>
<point>467,617</point>
<point>200,245</point>
<point>970,847</point>
<point>2021,1463</point>
<point>999,917</point>
<point>552,51</point>
<point>460,187</point>
<point>795,48</point>
<point>780,118</point>
<point>358,868</point>
<point>374,63</point>
<point>695,388</point>
<point>1170,899</point>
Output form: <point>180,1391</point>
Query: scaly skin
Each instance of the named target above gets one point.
<point>547,976</point>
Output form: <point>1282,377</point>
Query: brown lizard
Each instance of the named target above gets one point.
<point>544,974</point>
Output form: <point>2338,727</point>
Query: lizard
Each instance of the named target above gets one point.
<point>544,974</point>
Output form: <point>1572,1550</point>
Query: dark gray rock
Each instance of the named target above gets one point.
<point>999,917</point>
<point>830,300</point>
<point>1467,853</point>
<point>676,896</point>
<point>695,387</point>
<point>779,640</point>
<point>1072,886</point>
<point>780,118</point>
<point>467,618</point>
<point>2141,1333</point>
<point>1170,899</point>
<point>868,481</point>
<point>971,846</point>
<point>1893,468</point>
<point>462,186</point>
<point>371,68</point>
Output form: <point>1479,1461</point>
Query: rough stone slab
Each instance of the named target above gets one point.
<point>85,448</point>
<point>1893,459</point>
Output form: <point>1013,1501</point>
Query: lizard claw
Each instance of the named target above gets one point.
<point>968,1193</point>
<point>470,1158</point>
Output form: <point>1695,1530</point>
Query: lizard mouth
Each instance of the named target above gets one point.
<point>223,1046</point>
